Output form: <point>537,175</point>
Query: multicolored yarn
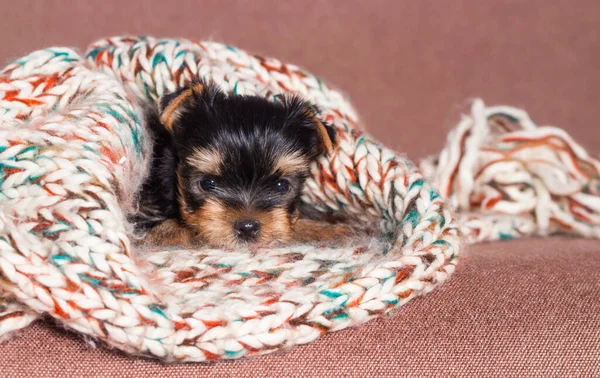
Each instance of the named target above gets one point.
<point>509,178</point>
<point>72,152</point>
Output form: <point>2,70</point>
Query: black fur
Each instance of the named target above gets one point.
<point>248,132</point>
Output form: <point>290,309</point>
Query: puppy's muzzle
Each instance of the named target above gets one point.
<point>247,229</point>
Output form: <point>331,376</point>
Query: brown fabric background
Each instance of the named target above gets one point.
<point>526,308</point>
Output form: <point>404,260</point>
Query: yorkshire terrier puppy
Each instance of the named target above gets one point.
<point>228,170</point>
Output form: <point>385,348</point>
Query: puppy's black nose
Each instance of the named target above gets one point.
<point>247,229</point>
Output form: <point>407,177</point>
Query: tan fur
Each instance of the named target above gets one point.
<point>206,161</point>
<point>290,164</point>
<point>170,114</point>
<point>327,144</point>
<point>307,231</point>
<point>171,233</point>
<point>214,224</point>
<point>210,228</point>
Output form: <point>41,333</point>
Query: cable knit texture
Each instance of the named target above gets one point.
<point>73,153</point>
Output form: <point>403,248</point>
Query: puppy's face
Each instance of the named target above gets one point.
<point>242,162</point>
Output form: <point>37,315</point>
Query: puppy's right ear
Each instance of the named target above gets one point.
<point>172,105</point>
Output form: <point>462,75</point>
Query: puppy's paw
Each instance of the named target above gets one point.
<point>306,231</point>
<point>171,233</point>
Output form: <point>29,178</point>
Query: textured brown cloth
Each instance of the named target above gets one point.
<point>524,308</point>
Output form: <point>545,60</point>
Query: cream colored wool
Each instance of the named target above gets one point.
<point>73,152</point>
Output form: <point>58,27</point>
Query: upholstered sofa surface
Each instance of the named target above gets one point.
<point>520,308</point>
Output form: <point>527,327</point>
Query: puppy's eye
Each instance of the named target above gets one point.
<point>282,186</point>
<point>208,184</point>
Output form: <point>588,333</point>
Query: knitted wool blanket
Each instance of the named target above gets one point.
<point>73,152</point>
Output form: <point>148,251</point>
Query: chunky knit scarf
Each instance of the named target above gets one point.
<point>73,153</point>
